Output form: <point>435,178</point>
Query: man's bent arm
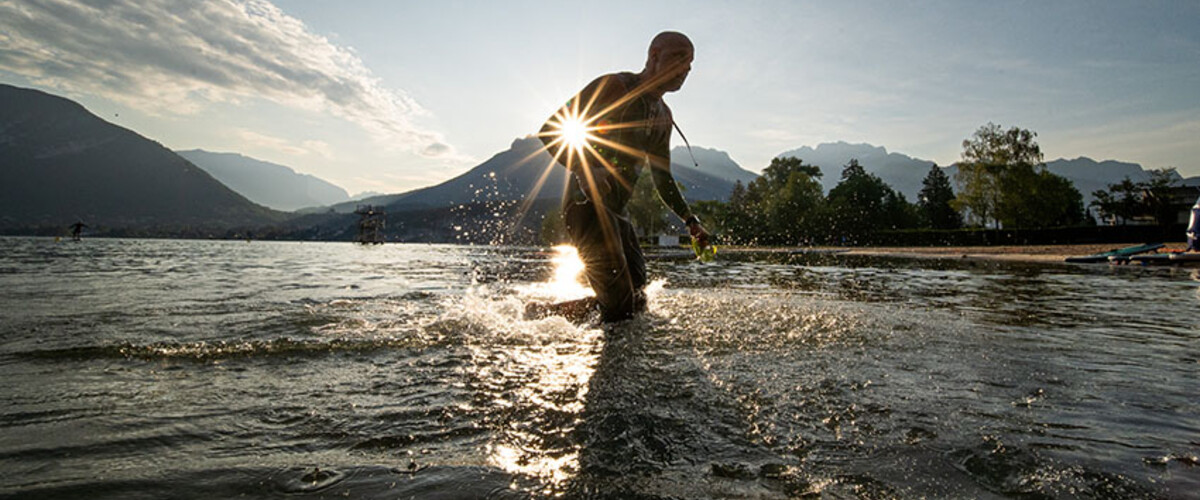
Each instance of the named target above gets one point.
<point>668,190</point>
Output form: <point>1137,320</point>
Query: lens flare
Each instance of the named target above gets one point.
<point>574,133</point>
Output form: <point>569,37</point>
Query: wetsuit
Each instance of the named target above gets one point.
<point>634,131</point>
<point>77,230</point>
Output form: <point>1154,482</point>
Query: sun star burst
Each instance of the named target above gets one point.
<point>574,132</point>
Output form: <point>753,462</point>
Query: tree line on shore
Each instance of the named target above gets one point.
<point>1001,182</point>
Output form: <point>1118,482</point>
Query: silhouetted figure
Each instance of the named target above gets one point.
<point>77,230</point>
<point>1193,229</point>
<point>628,126</point>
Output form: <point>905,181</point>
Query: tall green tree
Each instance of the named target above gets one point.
<point>737,197</point>
<point>1157,195</point>
<point>795,199</point>
<point>737,217</point>
<point>900,214</point>
<point>1119,203</point>
<point>987,156</point>
<point>1126,200</point>
<point>1035,197</point>
<point>861,204</point>
<point>978,193</point>
<point>783,205</point>
<point>935,201</point>
<point>1058,202</point>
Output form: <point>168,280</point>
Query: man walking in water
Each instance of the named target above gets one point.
<point>605,135</point>
<point>77,230</point>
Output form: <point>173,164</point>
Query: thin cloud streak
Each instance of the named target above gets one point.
<point>278,144</point>
<point>175,56</point>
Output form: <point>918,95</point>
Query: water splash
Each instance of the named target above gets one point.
<point>531,375</point>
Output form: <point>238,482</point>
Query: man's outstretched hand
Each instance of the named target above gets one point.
<point>699,234</point>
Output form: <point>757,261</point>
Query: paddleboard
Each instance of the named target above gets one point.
<point>1185,256</point>
<point>1119,252</point>
<point>1167,258</point>
<point>1154,258</point>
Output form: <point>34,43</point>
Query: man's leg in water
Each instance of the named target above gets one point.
<point>635,262</point>
<point>575,311</point>
<point>612,260</point>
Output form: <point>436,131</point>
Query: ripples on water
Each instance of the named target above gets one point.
<point>195,369</point>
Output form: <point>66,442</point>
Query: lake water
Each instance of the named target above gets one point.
<point>216,369</point>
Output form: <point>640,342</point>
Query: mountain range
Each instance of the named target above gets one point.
<point>512,175</point>
<point>269,184</point>
<point>484,204</point>
<point>900,171</point>
<point>905,174</point>
<point>60,164</point>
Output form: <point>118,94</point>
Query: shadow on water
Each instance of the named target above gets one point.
<point>695,406</point>
<point>365,482</point>
<point>655,427</point>
<point>963,381</point>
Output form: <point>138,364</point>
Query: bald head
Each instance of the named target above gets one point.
<point>669,40</point>
<point>669,60</point>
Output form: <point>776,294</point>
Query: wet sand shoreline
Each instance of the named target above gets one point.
<point>1014,253</point>
<point>1019,253</point>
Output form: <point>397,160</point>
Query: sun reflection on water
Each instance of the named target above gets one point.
<point>541,413</point>
<point>551,377</point>
<point>567,281</point>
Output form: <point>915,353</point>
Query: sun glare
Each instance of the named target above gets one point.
<point>568,268</point>
<point>575,133</point>
<point>565,284</point>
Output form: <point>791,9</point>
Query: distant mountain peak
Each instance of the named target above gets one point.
<point>713,151</point>
<point>904,173</point>
<point>1080,158</point>
<point>713,162</point>
<point>270,184</point>
<point>526,142</point>
<point>841,148</point>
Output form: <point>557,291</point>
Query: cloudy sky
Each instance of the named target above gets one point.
<point>392,95</point>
